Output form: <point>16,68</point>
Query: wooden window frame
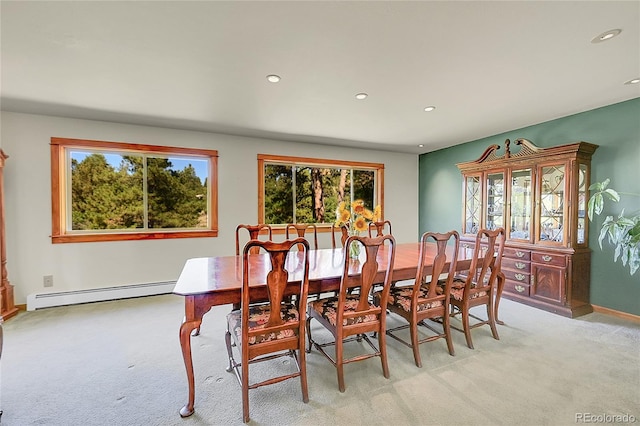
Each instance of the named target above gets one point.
<point>59,233</point>
<point>307,161</point>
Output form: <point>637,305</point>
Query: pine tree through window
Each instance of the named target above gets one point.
<point>106,191</point>
<point>308,190</point>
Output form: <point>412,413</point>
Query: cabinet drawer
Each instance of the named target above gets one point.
<point>517,254</point>
<point>517,288</point>
<point>515,276</point>
<point>549,259</point>
<point>516,265</point>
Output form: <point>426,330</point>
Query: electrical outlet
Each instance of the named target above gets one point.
<point>48,280</point>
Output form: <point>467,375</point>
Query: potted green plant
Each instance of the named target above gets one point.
<point>622,232</point>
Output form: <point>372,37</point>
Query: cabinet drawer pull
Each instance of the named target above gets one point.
<point>521,265</point>
<point>547,258</point>
<point>519,288</point>
<point>520,254</point>
<point>519,277</point>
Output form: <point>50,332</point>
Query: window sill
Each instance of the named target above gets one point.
<point>88,238</point>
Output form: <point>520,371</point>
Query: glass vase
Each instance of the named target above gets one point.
<point>355,247</point>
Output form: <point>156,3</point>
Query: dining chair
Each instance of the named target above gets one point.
<point>342,231</point>
<point>301,230</point>
<point>425,299</point>
<point>349,316</point>
<point>266,331</point>
<point>477,287</point>
<point>380,228</point>
<point>254,233</point>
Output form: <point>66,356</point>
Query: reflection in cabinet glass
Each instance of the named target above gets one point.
<point>552,192</point>
<point>473,204</point>
<point>539,195</point>
<point>520,211</point>
<point>582,201</point>
<point>495,200</point>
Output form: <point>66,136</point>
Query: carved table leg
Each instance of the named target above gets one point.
<point>185,342</point>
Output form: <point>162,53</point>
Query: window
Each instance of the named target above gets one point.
<point>308,190</point>
<point>109,191</point>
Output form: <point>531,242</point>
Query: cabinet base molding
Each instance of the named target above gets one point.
<point>566,311</point>
<point>619,314</point>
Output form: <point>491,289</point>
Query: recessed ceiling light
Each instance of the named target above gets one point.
<point>361,96</point>
<point>272,78</point>
<point>429,108</point>
<point>421,146</point>
<point>607,35</point>
<point>633,81</point>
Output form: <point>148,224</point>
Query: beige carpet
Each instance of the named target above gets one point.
<point>119,363</point>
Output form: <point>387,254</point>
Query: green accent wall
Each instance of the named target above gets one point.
<point>615,128</point>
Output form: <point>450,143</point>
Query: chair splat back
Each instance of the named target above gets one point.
<point>344,234</point>
<point>381,228</point>
<point>369,271</point>
<point>440,261</point>
<point>301,229</point>
<point>254,233</point>
<point>488,252</point>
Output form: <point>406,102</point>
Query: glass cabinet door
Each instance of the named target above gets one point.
<point>473,204</point>
<point>582,203</point>
<point>495,200</point>
<point>552,192</point>
<point>521,205</point>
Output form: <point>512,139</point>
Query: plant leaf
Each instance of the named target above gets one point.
<point>617,252</point>
<point>623,232</point>
<point>634,259</point>
<point>603,233</point>
<point>597,205</point>
<point>612,194</point>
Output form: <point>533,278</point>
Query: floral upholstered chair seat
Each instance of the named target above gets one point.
<point>401,296</point>
<point>457,289</point>
<point>328,309</point>
<point>258,317</point>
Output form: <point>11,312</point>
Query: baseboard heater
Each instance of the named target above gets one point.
<point>48,300</point>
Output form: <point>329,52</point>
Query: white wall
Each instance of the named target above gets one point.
<point>25,139</point>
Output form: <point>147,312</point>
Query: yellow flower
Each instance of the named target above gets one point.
<point>377,213</point>
<point>357,216</point>
<point>344,216</point>
<point>358,207</point>
<point>360,224</point>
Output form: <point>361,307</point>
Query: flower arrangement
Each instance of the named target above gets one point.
<point>356,219</point>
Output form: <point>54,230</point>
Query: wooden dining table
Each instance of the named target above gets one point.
<point>210,281</point>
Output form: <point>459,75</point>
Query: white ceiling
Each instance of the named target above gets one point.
<point>488,67</point>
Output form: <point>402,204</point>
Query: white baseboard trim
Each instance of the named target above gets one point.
<point>48,300</point>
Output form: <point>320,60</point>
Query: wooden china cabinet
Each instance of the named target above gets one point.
<point>7,307</point>
<point>539,195</point>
